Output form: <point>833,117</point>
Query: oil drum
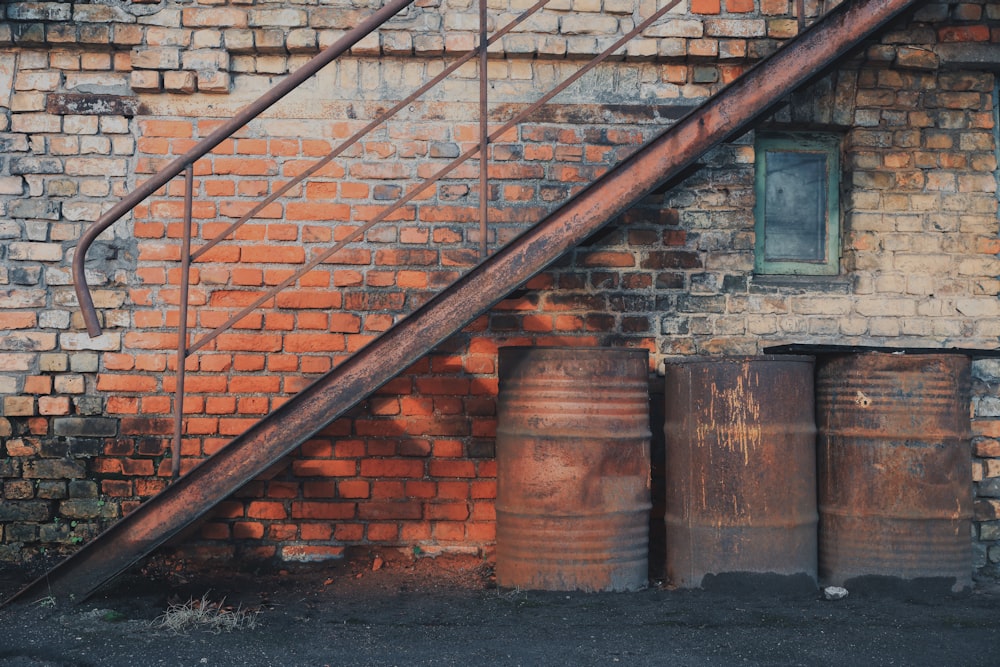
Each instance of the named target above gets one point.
<point>572,449</point>
<point>740,469</point>
<point>894,467</point>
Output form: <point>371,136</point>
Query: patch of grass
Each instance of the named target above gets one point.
<point>204,614</point>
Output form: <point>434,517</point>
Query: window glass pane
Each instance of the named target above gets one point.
<point>795,206</point>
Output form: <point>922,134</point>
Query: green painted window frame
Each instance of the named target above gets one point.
<point>827,145</point>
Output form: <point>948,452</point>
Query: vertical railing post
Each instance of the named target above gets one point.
<point>182,336</point>
<point>483,134</point>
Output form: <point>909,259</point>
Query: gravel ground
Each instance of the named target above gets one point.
<point>385,610</point>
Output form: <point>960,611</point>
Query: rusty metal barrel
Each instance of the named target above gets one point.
<point>740,467</point>
<point>894,467</point>
<point>572,452</point>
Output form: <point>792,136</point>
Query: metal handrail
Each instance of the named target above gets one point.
<point>203,147</point>
<point>184,164</point>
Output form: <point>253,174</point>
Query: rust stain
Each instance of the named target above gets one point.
<point>894,466</point>
<point>740,467</point>
<point>573,461</point>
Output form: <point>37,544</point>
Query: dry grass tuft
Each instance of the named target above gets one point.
<point>204,614</point>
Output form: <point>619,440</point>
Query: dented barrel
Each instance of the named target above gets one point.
<point>740,469</point>
<point>894,467</point>
<point>572,452</point>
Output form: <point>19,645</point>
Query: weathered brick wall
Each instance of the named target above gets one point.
<point>102,96</point>
<point>187,47</point>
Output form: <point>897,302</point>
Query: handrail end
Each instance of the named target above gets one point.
<point>90,317</point>
<point>93,328</point>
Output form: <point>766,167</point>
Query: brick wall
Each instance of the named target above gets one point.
<point>101,97</point>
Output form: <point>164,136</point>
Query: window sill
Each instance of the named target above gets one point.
<point>769,283</point>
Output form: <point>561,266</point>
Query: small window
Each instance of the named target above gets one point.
<point>797,216</point>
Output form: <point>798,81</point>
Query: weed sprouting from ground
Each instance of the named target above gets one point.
<point>45,602</point>
<point>204,614</point>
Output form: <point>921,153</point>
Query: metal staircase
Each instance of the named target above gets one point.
<point>726,115</point>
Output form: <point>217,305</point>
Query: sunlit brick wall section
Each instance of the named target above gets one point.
<point>674,275</point>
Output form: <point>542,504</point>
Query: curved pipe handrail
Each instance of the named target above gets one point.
<point>204,146</point>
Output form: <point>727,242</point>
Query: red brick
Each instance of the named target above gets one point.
<point>351,532</point>
<point>383,532</point>
<point>453,490</point>
<point>249,342</point>
<point>451,531</point>
<point>248,530</point>
<point>452,469</point>
<point>388,489</point>
<point>353,489</point>
<point>482,532</point>
<point>420,489</point>
<point>448,511</point>
<point>312,320</point>
<point>411,280</point>
<point>314,343</point>
<point>317,211</point>
<point>324,489</point>
<point>608,259</point>
<point>282,489</point>
<point>414,447</point>
<point>201,426</point>
<point>483,512</point>
<point>348,448</point>
<point>149,487</point>
<point>137,467</point>
<point>382,448</point>
<point>122,405</point>
<point>254,383</point>
<point>706,6</point>
<point>263,509</point>
<point>282,532</point>
<point>214,531</point>
<point>449,386</point>
<point>325,468</point>
<point>228,509</point>
<point>412,531</point>
<point>448,448</point>
<point>316,531</point>
<point>304,299</point>
<point>279,322</point>
<point>323,510</point>
<point>116,488</point>
<point>248,362</point>
<point>483,489</point>
<point>969,33</point>
<point>416,405</point>
<point>166,128</point>
<point>131,383</point>
<point>19,320</point>
<point>401,509</point>
<point>317,449</point>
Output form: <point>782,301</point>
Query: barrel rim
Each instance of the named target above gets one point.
<point>738,359</point>
<point>581,348</point>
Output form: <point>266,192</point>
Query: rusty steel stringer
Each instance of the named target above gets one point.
<point>725,115</point>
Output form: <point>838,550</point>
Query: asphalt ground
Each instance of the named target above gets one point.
<point>448,611</point>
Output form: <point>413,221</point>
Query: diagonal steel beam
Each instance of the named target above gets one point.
<point>727,114</point>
